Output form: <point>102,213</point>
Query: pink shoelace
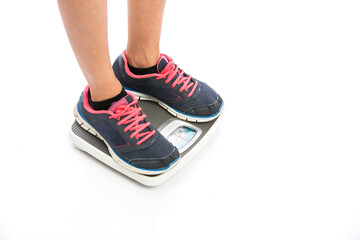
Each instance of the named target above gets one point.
<point>134,117</point>
<point>170,71</point>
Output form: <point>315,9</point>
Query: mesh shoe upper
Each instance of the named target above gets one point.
<point>191,96</point>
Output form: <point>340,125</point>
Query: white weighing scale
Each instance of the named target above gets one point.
<point>188,137</point>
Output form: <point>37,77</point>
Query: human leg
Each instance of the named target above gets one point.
<point>86,26</point>
<point>144,29</point>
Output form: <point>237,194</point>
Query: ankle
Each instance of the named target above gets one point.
<point>142,59</point>
<point>105,104</point>
<point>105,91</point>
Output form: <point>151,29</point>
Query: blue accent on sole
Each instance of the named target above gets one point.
<point>199,116</point>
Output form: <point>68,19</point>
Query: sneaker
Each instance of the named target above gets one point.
<point>182,95</point>
<point>132,141</point>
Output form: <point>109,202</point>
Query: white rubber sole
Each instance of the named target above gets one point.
<point>82,122</point>
<point>146,97</point>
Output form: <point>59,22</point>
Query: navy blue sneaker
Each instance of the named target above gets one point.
<point>132,141</point>
<point>182,95</point>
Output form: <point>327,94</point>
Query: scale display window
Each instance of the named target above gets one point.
<point>181,134</point>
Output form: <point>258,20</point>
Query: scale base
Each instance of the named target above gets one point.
<point>89,143</point>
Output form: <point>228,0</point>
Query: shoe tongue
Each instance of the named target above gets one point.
<point>123,101</point>
<point>163,62</point>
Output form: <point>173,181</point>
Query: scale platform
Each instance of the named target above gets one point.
<point>189,137</point>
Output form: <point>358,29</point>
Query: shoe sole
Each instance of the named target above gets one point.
<point>172,111</point>
<point>87,127</point>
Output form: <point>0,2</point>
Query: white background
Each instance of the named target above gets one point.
<point>284,164</point>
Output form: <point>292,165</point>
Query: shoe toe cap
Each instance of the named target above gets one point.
<point>160,155</point>
<point>206,110</point>
<point>157,163</point>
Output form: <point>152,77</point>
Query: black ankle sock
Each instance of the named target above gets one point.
<point>143,71</point>
<point>105,104</point>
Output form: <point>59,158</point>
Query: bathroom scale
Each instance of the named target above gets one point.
<point>188,137</point>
